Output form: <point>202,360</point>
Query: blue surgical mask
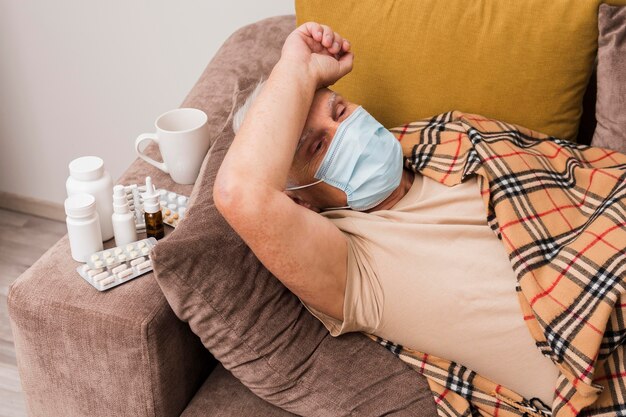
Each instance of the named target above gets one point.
<point>364,161</point>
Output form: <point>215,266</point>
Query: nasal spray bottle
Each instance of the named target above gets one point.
<point>152,211</point>
<point>123,220</point>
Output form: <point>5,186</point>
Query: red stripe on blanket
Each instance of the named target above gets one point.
<point>607,154</point>
<point>498,402</point>
<point>588,369</point>
<point>574,410</point>
<point>404,128</point>
<point>565,308</point>
<point>585,249</point>
<point>615,248</point>
<point>456,156</point>
<point>611,376</point>
<point>442,396</point>
<point>544,189</point>
<point>516,153</point>
<point>545,213</point>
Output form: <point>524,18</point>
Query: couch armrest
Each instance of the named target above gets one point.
<point>81,352</point>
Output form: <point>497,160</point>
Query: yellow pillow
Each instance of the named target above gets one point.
<point>526,62</point>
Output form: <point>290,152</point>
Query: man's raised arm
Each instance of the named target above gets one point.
<point>303,249</point>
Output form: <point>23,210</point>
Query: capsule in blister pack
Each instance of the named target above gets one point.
<point>108,277</point>
<point>119,254</point>
<point>173,207</point>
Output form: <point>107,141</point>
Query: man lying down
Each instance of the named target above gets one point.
<point>317,188</point>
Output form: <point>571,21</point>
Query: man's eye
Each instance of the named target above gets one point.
<point>341,112</point>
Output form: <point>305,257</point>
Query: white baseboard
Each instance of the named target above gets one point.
<point>30,205</point>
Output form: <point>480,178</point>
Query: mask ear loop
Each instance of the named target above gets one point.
<point>298,187</point>
<point>336,208</point>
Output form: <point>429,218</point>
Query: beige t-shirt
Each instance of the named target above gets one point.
<point>431,275</point>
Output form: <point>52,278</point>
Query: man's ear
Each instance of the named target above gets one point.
<point>301,202</point>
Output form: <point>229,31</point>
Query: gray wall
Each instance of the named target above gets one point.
<point>85,78</point>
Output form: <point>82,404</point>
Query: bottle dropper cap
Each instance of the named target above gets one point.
<point>120,203</point>
<point>150,198</point>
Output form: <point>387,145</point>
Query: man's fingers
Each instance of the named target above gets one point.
<point>314,45</point>
<point>337,44</point>
<point>312,29</point>
<point>329,35</point>
<point>329,39</point>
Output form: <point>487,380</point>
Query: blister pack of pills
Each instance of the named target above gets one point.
<point>114,256</point>
<point>111,276</point>
<point>135,203</point>
<point>173,205</point>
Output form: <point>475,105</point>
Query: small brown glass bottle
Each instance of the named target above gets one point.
<point>152,212</point>
<point>154,225</point>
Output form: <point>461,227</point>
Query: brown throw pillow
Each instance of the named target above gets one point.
<point>611,101</point>
<point>249,321</point>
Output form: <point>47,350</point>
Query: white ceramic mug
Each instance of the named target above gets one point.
<point>182,136</point>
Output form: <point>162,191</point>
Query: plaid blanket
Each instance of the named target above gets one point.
<point>559,208</point>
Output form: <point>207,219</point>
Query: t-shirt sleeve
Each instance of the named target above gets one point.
<point>362,306</point>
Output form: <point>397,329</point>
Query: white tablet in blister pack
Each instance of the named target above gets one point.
<point>108,277</point>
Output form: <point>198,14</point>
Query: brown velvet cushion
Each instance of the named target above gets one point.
<point>248,320</point>
<point>225,396</point>
<point>611,101</point>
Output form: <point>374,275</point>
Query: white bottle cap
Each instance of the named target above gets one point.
<point>120,203</point>
<point>87,168</point>
<point>80,205</point>
<point>150,198</point>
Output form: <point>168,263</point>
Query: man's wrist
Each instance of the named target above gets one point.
<point>297,70</point>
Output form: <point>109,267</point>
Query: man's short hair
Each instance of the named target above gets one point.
<point>241,112</point>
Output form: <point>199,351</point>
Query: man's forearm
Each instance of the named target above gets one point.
<point>262,151</point>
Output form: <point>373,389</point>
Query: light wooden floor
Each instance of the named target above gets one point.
<point>23,239</point>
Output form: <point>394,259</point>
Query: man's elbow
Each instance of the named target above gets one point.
<point>236,198</point>
<point>225,192</point>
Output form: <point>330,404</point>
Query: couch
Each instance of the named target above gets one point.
<point>124,352</point>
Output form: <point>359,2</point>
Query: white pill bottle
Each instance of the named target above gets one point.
<point>83,226</point>
<point>87,175</point>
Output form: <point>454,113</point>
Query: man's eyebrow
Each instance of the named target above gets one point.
<point>303,138</point>
<point>331,102</point>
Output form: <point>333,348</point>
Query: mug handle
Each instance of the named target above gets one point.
<point>149,136</point>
